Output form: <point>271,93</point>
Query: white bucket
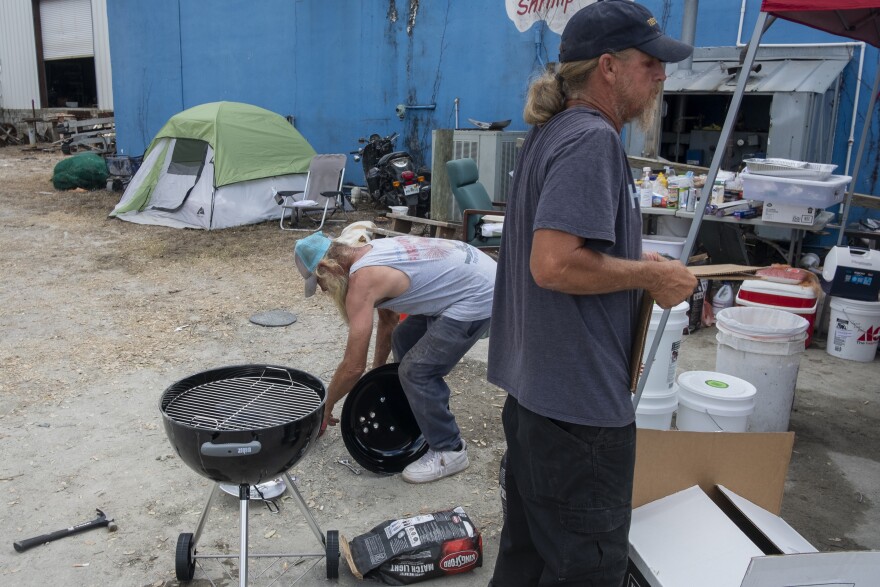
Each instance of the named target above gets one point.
<point>655,410</point>
<point>661,377</point>
<point>854,329</point>
<point>764,347</point>
<point>714,402</point>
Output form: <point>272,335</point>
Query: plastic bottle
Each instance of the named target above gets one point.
<point>660,191</point>
<point>723,298</point>
<point>717,192</point>
<point>646,189</point>
<point>672,196</point>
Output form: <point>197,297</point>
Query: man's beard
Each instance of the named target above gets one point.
<point>632,107</point>
<point>336,286</point>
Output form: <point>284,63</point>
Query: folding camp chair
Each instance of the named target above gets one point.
<point>322,194</point>
<point>480,222</point>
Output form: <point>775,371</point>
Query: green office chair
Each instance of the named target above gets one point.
<point>476,207</point>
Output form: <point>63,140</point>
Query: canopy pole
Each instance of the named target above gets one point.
<point>847,201</point>
<point>726,130</point>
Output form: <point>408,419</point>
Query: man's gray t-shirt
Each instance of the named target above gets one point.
<point>447,277</point>
<point>567,356</point>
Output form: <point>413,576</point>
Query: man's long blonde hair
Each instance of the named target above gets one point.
<point>334,277</point>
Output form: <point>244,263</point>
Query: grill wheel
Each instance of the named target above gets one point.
<point>184,563</point>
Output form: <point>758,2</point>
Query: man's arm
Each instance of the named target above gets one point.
<point>560,262</point>
<point>365,288</point>
<point>388,319</point>
<point>354,362</point>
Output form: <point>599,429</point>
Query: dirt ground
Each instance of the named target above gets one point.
<point>99,316</point>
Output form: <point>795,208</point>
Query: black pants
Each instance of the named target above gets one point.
<point>569,502</point>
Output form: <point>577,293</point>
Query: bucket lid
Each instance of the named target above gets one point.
<point>716,386</point>
<point>761,323</point>
<point>855,305</point>
<point>776,288</point>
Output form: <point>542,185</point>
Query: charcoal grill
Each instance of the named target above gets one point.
<point>245,425</point>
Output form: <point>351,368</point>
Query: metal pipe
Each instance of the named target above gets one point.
<point>421,107</point>
<point>852,185</point>
<point>456,102</point>
<point>689,31</point>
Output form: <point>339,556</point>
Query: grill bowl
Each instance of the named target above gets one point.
<point>377,424</point>
<point>243,424</point>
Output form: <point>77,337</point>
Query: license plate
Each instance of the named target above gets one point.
<point>412,189</point>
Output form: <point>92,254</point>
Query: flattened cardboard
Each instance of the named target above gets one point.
<point>751,464</point>
<point>724,272</point>
<point>639,339</point>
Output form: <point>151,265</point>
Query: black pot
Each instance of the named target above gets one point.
<point>377,423</point>
<point>243,424</point>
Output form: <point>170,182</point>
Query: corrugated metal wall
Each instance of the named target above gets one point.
<point>103,71</point>
<point>19,82</point>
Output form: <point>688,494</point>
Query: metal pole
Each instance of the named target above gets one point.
<point>852,185</point>
<point>726,130</point>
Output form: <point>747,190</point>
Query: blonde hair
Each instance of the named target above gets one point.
<point>560,82</point>
<point>334,277</point>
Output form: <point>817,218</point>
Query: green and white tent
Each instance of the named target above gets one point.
<point>214,166</point>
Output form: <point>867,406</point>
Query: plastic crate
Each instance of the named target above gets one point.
<point>815,193</point>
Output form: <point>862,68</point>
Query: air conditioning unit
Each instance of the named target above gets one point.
<point>495,154</point>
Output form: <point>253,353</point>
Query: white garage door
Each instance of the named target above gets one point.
<point>67,29</point>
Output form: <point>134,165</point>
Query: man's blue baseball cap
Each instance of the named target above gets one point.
<point>307,253</point>
<point>610,26</point>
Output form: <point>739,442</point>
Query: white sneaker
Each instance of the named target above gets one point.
<point>437,464</point>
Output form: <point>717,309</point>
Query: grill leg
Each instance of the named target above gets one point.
<point>212,493</point>
<point>244,496</point>
<point>305,510</point>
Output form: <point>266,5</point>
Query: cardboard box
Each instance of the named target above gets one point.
<point>706,513</point>
<point>790,213</point>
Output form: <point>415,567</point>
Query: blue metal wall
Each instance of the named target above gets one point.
<point>340,67</point>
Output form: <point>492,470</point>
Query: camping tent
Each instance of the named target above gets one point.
<point>214,166</point>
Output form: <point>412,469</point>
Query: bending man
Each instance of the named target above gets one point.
<point>446,288</point>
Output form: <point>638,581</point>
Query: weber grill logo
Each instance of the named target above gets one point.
<point>458,560</point>
<point>245,450</point>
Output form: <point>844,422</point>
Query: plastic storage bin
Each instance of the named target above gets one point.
<point>665,245</point>
<point>816,193</point>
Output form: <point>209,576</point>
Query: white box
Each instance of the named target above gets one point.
<point>685,539</point>
<point>804,192</point>
<point>784,212</point>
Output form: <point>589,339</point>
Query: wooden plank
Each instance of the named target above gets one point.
<point>441,193</point>
<point>428,221</point>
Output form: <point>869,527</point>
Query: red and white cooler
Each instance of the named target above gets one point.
<point>797,299</point>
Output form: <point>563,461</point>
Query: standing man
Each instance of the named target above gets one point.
<point>446,288</point>
<point>569,283</point>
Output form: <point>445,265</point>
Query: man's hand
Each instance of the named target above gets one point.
<point>673,282</point>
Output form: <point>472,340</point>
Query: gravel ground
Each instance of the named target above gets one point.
<point>99,316</point>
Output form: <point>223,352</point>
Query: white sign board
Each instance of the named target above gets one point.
<point>525,13</point>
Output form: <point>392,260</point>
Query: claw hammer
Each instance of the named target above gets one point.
<point>98,522</point>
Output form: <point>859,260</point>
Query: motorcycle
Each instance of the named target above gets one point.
<point>392,177</point>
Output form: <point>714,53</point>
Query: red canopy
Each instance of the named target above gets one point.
<point>856,19</point>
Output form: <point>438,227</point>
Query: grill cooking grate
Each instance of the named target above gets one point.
<point>242,403</point>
